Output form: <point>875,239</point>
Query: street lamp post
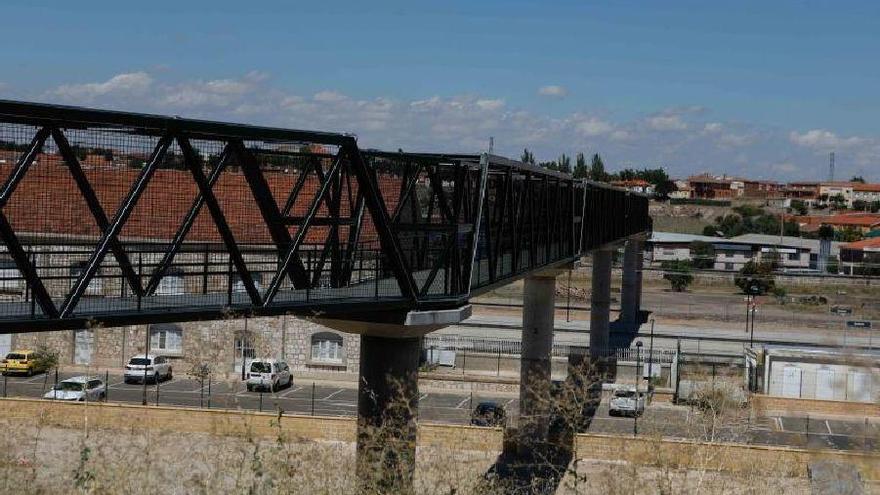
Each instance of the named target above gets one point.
<point>651,354</point>
<point>638,378</point>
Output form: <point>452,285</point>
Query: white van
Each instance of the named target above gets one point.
<point>270,374</point>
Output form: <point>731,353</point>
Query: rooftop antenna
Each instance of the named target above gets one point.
<point>491,144</point>
<point>831,167</point>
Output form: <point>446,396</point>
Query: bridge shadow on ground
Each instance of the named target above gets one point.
<point>622,334</point>
<point>539,467</point>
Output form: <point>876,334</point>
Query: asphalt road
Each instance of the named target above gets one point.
<point>330,400</point>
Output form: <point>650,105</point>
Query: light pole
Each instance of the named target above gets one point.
<point>651,354</point>
<point>638,378</point>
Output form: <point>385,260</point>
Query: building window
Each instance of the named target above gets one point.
<point>166,338</point>
<point>238,285</point>
<point>10,279</point>
<point>728,266</point>
<point>327,347</point>
<point>794,257</point>
<point>96,284</point>
<point>171,283</point>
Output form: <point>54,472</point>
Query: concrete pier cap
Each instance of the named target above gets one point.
<point>409,324</point>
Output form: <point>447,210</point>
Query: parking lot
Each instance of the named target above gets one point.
<point>307,397</point>
<point>303,397</point>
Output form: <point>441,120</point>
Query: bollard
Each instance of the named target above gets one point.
<point>106,385</point>
<point>313,398</point>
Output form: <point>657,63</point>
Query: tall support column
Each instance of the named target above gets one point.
<point>640,264</point>
<point>631,287</point>
<point>600,303</point>
<point>537,343</point>
<point>387,412</point>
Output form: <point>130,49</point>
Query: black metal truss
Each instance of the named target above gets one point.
<point>397,231</point>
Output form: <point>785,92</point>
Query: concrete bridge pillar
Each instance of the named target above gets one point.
<point>631,287</point>
<point>537,342</point>
<point>388,392</point>
<point>600,303</point>
<point>388,396</point>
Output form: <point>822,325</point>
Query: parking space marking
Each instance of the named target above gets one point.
<point>334,394</point>
<point>779,425</point>
<point>38,378</point>
<point>423,396</point>
<point>461,404</point>
<point>508,403</point>
<point>292,390</point>
<point>829,427</point>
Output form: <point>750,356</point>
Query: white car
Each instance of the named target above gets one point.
<point>269,374</point>
<point>78,388</point>
<point>149,368</point>
<point>626,402</point>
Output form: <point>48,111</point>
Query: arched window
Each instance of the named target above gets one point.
<point>96,284</point>
<point>166,338</point>
<point>171,284</point>
<point>238,285</point>
<point>327,347</point>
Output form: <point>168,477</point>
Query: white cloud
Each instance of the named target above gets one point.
<point>553,91</point>
<point>666,122</point>
<point>489,104</point>
<point>683,139</point>
<point>329,96</point>
<point>592,126</point>
<point>120,84</point>
<point>823,139</point>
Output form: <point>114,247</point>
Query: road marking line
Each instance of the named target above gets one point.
<point>334,394</point>
<point>37,379</point>
<point>829,427</point>
<point>509,402</point>
<point>461,404</point>
<point>779,425</point>
<point>423,396</point>
<point>292,390</point>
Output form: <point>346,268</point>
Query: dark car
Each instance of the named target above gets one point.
<point>488,414</point>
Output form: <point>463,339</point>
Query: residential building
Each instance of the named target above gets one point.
<point>868,193</point>
<point>707,186</point>
<point>863,222</point>
<point>635,185</point>
<point>861,257</point>
<point>760,188</point>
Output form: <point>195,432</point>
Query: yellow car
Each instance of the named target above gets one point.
<point>22,362</point>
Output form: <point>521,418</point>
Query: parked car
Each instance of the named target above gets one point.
<point>149,367</point>
<point>489,414</point>
<point>22,362</point>
<point>627,402</point>
<point>270,374</point>
<point>78,388</point>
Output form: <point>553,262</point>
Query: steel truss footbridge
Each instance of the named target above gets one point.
<point>119,218</point>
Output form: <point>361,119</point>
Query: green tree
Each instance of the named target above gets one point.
<point>678,273</point>
<point>799,207</point>
<point>860,205</point>
<point>702,255</point>
<point>597,169</point>
<point>527,157</point>
<point>857,178</point>
<point>755,278</point>
<point>564,163</point>
<point>580,168</point>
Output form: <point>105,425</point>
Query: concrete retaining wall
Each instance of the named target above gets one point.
<point>764,404</point>
<point>750,459</point>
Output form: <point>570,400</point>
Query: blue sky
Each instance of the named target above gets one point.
<point>759,88</point>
